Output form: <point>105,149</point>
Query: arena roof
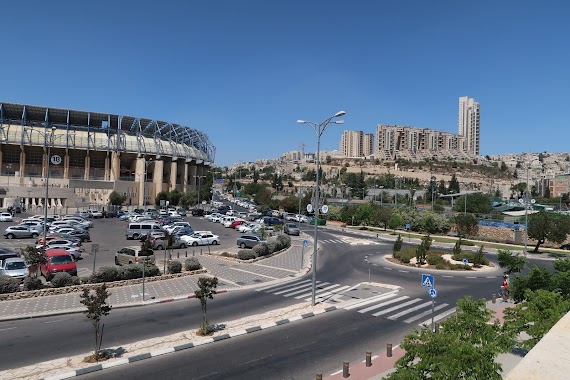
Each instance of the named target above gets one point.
<point>109,124</point>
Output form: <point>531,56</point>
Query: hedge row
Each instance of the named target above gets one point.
<point>272,245</point>
<point>11,285</point>
<point>432,258</point>
<point>127,272</point>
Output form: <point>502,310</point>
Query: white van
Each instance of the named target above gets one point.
<point>136,230</point>
<point>228,220</point>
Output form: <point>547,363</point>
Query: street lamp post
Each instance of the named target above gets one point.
<point>146,164</point>
<point>319,129</point>
<point>381,195</point>
<point>200,187</point>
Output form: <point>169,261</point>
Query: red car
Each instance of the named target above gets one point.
<point>58,260</point>
<point>237,223</point>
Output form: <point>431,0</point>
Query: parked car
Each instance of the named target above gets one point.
<point>237,223</point>
<point>249,241</point>
<point>291,229</point>
<point>181,231</point>
<point>271,221</point>
<point>16,232</point>
<point>96,214</point>
<point>182,211</point>
<point>201,238</point>
<point>565,246</point>
<point>162,243</point>
<point>133,255</point>
<point>197,212</point>
<point>58,260</point>
<point>170,228</point>
<point>14,267</point>
<point>6,217</point>
<point>84,214</point>
<point>83,236</point>
<point>60,243</point>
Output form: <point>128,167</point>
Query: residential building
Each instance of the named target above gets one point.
<point>469,124</point>
<point>356,144</point>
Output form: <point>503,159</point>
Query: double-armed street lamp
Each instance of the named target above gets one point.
<point>319,129</point>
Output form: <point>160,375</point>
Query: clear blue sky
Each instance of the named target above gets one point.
<point>244,71</point>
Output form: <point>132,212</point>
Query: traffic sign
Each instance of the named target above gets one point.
<point>465,261</point>
<point>309,208</point>
<point>433,293</point>
<point>428,281</point>
<point>305,243</point>
<point>408,226</point>
<point>325,209</point>
<point>55,159</point>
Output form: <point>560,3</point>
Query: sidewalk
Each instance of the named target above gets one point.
<point>382,365</point>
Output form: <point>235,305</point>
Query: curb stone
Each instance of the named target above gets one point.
<point>185,346</point>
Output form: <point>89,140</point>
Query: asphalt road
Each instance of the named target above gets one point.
<point>28,341</point>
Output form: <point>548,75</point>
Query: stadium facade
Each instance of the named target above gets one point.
<point>93,154</point>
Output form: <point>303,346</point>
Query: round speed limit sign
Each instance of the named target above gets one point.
<point>55,159</point>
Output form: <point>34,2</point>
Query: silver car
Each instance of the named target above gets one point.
<point>14,267</point>
<point>14,232</point>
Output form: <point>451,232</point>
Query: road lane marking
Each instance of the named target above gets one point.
<point>369,301</point>
<point>280,286</point>
<point>268,266</point>
<point>7,328</point>
<point>304,287</point>
<point>320,290</point>
<point>386,311</point>
<point>302,290</point>
<point>257,274</point>
<point>383,304</point>
<point>438,317</point>
<point>408,311</point>
<point>415,318</point>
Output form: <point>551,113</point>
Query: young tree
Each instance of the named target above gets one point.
<point>96,304</point>
<point>477,203</point>
<point>453,186</point>
<point>544,226</point>
<point>466,224</point>
<point>33,256</point>
<point>382,216</point>
<point>511,262</point>
<point>207,288</point>
<point>398,243</point>
<point>422,250</point>
<point>117,199</point>
<point>395,221</point>
<point>464,348</point>
<point>536,315</point>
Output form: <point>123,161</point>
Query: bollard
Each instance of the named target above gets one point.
<point>319,376</point>
<point>368,359</point>
<point>436,328</point>
<point>345,373</point>
<point>200,251</point>
<point>177,255</point>
<point>389,350</point>
<point>494,298</point>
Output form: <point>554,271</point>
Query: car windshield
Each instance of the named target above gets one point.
<point>61,260</point>
<point>15,265</point>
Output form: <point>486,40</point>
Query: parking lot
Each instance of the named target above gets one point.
<point>109,235</point>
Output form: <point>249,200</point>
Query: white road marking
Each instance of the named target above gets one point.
<point>257,274</point>
<point>383,304</point>
<point>438,317</point>
<point>397,307</point>
<point>408,311</point>
<point>415,318</point>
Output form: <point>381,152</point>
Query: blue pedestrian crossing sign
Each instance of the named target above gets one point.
<point>465,261</point>
<point>433,293</point>
<point>428,281</point>
<point>306,243</point>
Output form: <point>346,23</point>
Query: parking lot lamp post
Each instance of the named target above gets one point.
<point>200,187</point>
<point>48,142</point>
<point>319,129</point>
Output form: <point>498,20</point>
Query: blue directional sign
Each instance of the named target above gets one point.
<point>408,226</point>
<point>305,243</point>
<point>433,293</point>
<point>465,261</point>
<point>428,281</point>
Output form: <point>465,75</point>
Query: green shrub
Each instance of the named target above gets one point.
<point>191,264</point>
<point>434,259</point>
<point>398,243</point>
<point>8,284</point>
<point>151,270</point>
<point>273,246</point>
<point>61,280</point>
<point>284,240</point>
<point>261,250</point>
<point>246,254</point>
<point>440,265</point>
<point>105,274</point>
<point>130,272</point>
<point>405,255</point>
<point>75,280</point>
<point>174,267</point>
<point>457,247</point>
<point>33,283</point>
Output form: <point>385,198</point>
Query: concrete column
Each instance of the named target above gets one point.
<point>66,166</point>
<point>193,176</point>
<point>115,166</point>
<point>157,177</point>
<point>107,168</point>
<point>22,162</point>
<point>173,172</point>
<point>140,179</point>
<point>185,177</point>
<point>87,166</point>
<point>44,164</point>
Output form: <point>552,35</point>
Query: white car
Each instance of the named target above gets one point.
<point>173,227</point>
<point>204,238</point>
<point>245,226</point>
<point>6,217</point>
<point>212,216</point>
<point>96,214</point>
<point>301,218</point>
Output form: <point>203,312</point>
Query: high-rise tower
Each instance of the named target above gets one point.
<point>469,124</point>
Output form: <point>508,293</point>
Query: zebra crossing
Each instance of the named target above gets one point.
<point>302,290</point>
<point>402,308</point>
<point>349,240</point>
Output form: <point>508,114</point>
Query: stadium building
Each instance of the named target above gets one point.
<point>90,154</point>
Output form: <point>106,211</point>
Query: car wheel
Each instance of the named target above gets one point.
<point>135,236</point>
<point>194,243</point>
<point>10,236</point>
<point>159,247</point>
<point>242,245</point>
<point>215,242</point>
<point>182,246</point>
<point>117,261</point>
<point>34,236</point>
